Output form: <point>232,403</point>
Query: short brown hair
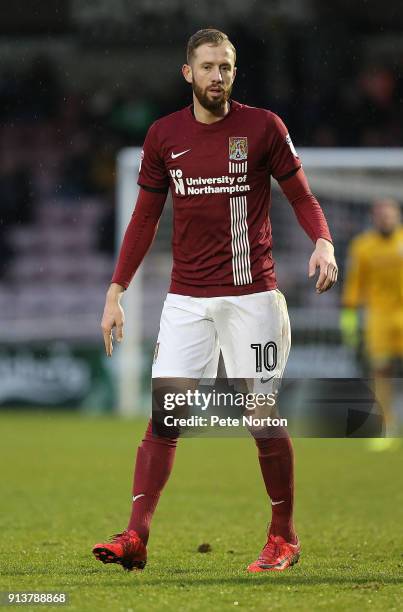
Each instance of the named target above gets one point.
<point>208,36</point>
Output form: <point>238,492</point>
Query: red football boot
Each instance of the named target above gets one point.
<point>125,548</point>
<point>276,556</point>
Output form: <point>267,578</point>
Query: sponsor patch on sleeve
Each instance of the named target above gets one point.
<point>289,142</point>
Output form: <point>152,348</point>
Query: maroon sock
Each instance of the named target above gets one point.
<point>276,460</point>
<point>154,461</point>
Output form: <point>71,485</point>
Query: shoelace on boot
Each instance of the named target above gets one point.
<point>270,551</point>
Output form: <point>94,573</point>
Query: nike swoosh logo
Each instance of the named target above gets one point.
<point>279,502</point>
<point>279,564</point>
<point>175,155</point>
<point>137,496</point>
<point>265,380</point>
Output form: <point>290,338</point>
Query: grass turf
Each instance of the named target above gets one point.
<point>66,484</point>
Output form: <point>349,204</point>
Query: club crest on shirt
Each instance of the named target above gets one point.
<point>238,148</point>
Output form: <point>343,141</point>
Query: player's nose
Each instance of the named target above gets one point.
<point>216,76</point>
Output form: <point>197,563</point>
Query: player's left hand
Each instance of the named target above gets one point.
<point>323,258</point>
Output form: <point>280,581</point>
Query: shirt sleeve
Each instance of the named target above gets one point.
<point>139,236</point>
<point>306,207</point>
<point>152,171</point>
<point>283,158</point>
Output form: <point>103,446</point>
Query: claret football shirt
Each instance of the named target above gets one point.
<point>219,176</point>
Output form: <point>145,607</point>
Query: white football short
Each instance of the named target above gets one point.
<point>252,331</point>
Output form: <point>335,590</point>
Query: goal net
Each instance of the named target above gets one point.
<point>345,181</point>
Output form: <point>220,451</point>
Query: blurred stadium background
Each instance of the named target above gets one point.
<point>81,80</point>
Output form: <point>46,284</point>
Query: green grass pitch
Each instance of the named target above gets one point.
<point>66,484</point>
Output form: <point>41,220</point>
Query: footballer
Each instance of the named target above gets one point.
<point>375,284</point>
<point>217,157</point>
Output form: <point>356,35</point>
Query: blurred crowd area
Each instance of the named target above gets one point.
<point>55,146</point>
<point>74,93</point>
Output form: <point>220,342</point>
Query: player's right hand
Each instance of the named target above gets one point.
<point>113,317</point>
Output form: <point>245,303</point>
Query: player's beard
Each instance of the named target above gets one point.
<point>215,106</point>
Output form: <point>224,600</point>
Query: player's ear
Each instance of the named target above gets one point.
<point>234,74</point>
<point>187,73</point>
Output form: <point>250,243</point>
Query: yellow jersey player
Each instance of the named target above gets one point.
<point>374,282</point>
